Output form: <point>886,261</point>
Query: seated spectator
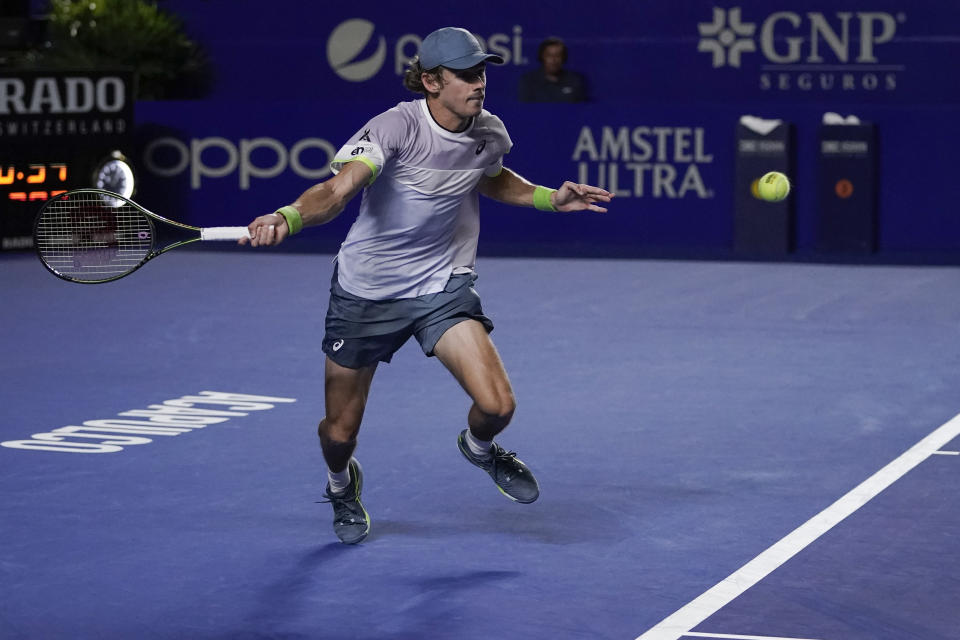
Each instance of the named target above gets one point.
<point>551,82</point>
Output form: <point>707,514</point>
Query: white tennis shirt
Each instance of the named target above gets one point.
<point>419,217</point>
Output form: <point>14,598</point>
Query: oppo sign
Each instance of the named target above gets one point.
<point>220,157</point>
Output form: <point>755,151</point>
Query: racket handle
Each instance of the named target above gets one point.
<point>224,233</point>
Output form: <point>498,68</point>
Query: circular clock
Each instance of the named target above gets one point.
<point>115,174</point>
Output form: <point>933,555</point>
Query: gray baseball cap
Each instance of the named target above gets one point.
<point>454,48</point>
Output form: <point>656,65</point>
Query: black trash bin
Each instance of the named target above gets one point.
<point>847,188</point>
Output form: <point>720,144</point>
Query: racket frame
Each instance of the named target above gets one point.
<point>150,217</point>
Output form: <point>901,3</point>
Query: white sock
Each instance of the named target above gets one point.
<point>339,481</point>
<point>479,448</point>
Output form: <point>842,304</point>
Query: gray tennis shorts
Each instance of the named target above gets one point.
<point>360,332</point>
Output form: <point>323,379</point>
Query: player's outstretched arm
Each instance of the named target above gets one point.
<point>510,188</point>
<point>319,204</point>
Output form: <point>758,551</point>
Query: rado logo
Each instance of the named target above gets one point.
<point>61,95</point>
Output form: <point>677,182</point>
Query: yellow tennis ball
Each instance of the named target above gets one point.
<point>773,186</point>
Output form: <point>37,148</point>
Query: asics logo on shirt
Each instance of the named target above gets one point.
<point>483,143</point>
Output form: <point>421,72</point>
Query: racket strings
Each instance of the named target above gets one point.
<point>92,236</point>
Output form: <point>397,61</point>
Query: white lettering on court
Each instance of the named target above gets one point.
<point>140,426</point>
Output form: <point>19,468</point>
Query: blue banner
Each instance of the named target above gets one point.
<point>668,83</point>
<point>877,51</point>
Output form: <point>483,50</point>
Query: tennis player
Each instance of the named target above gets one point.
<point>406,267</point>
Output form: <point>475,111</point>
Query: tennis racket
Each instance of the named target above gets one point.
<point>93,236</point>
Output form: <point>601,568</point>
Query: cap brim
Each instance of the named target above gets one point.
<point>472,60</point>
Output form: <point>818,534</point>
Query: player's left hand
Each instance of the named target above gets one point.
<point>578,197</point>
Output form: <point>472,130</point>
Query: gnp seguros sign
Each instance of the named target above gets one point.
<point>812,51</point>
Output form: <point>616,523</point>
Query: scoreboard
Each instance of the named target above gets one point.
<point>59,131</point>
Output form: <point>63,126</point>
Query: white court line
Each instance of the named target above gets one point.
<point>682,621</point>
<point>736,637</point>
<point>947,453</point>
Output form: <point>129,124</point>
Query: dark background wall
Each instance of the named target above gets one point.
<point>668,84</point>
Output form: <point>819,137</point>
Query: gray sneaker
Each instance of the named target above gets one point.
<point>511,476</point>
<point>350,520</point>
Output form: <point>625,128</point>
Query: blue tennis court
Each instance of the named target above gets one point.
<point>725,450</point>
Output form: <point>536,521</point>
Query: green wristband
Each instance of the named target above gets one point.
<point>292,216</point>
<point>541,199</point>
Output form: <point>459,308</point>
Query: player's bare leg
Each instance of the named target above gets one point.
<point>346,392</point>
<point>468,353</point>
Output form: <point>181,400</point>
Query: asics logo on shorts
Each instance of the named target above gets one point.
<point>336,345</point>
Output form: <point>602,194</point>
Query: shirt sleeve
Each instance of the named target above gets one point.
<point>373,145</point>
<point>505,144</point>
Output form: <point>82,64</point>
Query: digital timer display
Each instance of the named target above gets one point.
<point>34,182</point>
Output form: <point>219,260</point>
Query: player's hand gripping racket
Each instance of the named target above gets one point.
<point>93,236</point>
